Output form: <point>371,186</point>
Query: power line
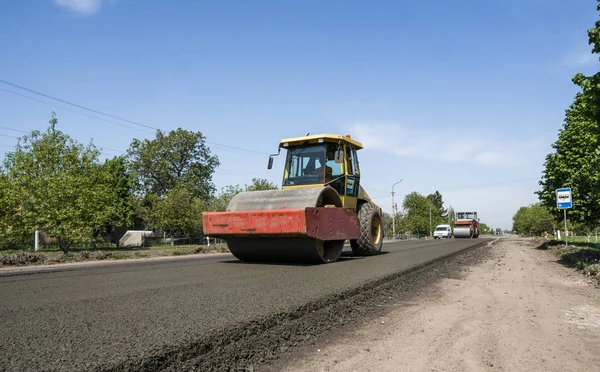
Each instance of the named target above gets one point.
<point>122,151</point>
<point>75,105</point>
<point>22,131</point>
<point>99,112</point>
<point>13,129</point>
<point>68,109</point>
<point>237,148</point>
<point>217,170</point>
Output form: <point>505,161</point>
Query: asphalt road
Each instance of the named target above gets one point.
<point>106,316</point>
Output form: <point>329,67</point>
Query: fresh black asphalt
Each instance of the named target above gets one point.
<point>121,317</point>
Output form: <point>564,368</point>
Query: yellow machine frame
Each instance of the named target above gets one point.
<point>347,144</point>
<point>320,207</point>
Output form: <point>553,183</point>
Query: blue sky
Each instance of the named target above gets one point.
<point>464,97</point>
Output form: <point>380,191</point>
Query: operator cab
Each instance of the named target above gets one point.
<point>322,160</point>
<point>466,215</point>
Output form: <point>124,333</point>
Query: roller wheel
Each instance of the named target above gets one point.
<point>370,240</point>
<point>293,250</point>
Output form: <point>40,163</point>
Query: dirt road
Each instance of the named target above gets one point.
<point>517,311</point>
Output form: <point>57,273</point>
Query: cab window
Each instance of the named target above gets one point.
<point>336,168</point>
<point>355,163</point>
<point>311,164</point>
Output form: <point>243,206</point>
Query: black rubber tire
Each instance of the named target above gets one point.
<point>367,244</point>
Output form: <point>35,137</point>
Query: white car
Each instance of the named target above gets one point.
<point>442,231</point>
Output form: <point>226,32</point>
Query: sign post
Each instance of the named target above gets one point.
<point>564,201</point>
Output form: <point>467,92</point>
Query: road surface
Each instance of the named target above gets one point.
<point>160,314</point>
<point>517,310</point>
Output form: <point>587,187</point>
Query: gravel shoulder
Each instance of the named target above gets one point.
<point>517,310</point>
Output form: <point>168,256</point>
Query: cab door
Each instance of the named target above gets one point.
<point>352,179</point>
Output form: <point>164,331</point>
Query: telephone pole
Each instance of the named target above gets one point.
<point>394,211</point>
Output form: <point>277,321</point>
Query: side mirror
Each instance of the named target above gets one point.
<point>339,156</point>
<point>271,158</point>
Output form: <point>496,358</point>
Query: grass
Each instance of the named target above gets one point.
<point>581,239</point>
<point>581,255</point>
<point>54,255</point>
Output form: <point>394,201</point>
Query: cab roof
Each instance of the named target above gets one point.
<point>295,141</point>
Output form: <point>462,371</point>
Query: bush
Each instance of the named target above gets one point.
<point>21,258</point>
<point>582,256</point>
<point>118,256</point>
<point>94,255</point>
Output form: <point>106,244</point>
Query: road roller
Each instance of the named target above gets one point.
<point>466,225</point>
<point>319,207</point>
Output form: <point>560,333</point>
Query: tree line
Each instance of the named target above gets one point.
<point>574,162</point>
<point>421,214</point>
<point>55,185</point>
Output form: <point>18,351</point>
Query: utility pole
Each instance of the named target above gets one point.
<point>566,233</point>
<point>394,209</point>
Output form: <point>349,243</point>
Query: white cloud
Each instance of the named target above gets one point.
<point>448,144</point>
<point>84,7</point>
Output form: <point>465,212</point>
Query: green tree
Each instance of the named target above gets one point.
<point>450,216</point>
<point>120,211</point>
<point>261,184</point>
<point>219,202</point>
<point>534,219</point>
<point>57,186</point>
<point>177,159</point>
<point>13,235</point>
<point>485,229</point>
<point>178,213</point>
<point>521,221</point>
<point>400,223</point>
<point>575,161</point>
<point>418,208</point>
<point>438,203</point>
<point>388,223</point>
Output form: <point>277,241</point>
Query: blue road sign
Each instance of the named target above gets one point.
<point>563,198</point>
